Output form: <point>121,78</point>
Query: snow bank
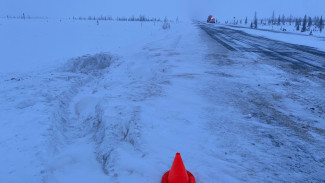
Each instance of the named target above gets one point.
<point>88,63</point>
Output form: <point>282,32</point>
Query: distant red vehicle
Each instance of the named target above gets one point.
<point>211,19</point>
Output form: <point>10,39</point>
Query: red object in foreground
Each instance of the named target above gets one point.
<point>178,173</point>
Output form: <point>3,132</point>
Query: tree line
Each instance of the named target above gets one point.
<point>303,24</point>
<point>141,18</point>
<point>23,16</point>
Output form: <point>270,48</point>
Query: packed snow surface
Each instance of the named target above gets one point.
<point>290,37</point>
<point>114,102</point>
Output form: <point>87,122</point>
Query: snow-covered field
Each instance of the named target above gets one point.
<point>114,102</point>
<point>35,44</point>
<point>43,74</point>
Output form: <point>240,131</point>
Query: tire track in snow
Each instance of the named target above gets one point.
<point>114,121</point>
<point>69,124</point>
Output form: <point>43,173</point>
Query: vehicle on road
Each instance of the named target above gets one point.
<point>211,19</point>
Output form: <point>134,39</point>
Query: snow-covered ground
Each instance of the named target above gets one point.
<point>39,81</point>
<point>35,44</point>
<point>114,102</point>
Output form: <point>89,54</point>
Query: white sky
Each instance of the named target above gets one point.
<point>191,8</point>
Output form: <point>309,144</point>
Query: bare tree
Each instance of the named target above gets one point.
<point>304,24</point>
<point>310,22</point>
<point>283,20</point>
<point>273,18</point>
<point>290,19</point>
<point>297,25</point>
<point>255,20</point>
<point>321,24</point>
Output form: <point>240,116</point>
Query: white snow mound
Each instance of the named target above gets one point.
<point>88,63</point>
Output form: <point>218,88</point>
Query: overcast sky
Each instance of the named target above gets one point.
<point>223,9</point>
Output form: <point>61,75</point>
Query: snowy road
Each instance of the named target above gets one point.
<point>280,85</point>
<point>300,57</point>
<point>238,107</point>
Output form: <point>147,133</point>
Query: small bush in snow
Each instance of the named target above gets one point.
<point>166,24</point>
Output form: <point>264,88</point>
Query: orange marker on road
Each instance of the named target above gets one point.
<point>178,173</point>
